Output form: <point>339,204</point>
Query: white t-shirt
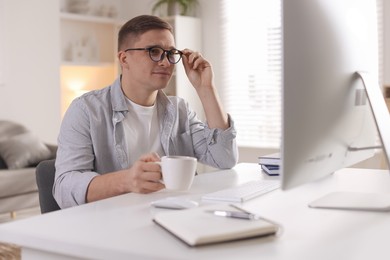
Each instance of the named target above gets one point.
<point>141,127</point>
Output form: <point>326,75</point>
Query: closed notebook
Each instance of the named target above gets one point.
<point>271,159</point>
<point>198,226</point>
<point>272,170</point>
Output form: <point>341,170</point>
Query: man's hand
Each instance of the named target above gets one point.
<point>145,176</point>
<point>200,74</point>
<point>198,69</point>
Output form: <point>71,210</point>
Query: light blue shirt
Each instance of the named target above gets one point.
<point>92,140</point>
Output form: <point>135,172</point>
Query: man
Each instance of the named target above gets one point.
<point>108,137</point>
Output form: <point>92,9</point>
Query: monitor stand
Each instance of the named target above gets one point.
<point>356,200</point>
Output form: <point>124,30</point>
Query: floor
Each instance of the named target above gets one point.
<point>20,215</point>
<point>9,251</point>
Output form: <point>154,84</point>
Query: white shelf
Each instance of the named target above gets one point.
<point>87,64</point>
<point>88,18</point>
<point>88,47</point>
<point>88,40</point>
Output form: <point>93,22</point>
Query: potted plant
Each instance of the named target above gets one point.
<point>175,7</point>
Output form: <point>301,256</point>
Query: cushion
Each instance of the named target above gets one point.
<point>9,129</point>
<point>23,150</point>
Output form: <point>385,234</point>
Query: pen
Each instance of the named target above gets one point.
<point>235,214</point>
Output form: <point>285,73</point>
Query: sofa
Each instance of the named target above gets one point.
<point>20,152</point>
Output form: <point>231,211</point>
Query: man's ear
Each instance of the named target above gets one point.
<point>122,57</point>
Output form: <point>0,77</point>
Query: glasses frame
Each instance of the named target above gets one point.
<point>166,53</point>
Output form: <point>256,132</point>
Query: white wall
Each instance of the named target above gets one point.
<point>386,18</point>
<point>133,8</point>
<point>2,37</point>
<point>31,94</point>
<point>211,14</point>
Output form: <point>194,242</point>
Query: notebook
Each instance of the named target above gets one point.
<point>271,159</point>
<point>271,170</point>
<point>198,226</point>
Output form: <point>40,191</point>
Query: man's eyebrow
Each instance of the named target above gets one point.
<point>156,45</point>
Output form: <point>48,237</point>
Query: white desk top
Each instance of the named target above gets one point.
<point>122,227</point>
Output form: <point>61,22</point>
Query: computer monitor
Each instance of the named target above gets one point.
<point>330,61</point>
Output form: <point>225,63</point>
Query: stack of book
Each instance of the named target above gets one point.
<point>270,164</point>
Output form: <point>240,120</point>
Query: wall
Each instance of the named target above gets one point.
<point>2,51</point>
<point>31,93</point>
<point>386,17</point>
<point>132,8</point>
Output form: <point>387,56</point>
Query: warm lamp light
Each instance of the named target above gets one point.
<point>76,85</point>
<point>77,80</point>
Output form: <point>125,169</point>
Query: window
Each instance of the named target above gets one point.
<point>252,71</point>
<point>253,40</point>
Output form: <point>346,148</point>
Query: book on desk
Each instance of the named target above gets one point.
<point>271,159</point>
<point>197,226</point>
<point>270,164</point>
<point>271,170</point>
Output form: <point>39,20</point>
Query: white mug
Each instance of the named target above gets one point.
<point>178,171</point>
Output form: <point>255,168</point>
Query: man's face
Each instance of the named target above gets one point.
<point>142,71</point>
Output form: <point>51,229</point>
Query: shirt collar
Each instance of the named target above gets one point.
<point>118,98</point>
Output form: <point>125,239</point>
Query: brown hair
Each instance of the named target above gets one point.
<point>139,25</point>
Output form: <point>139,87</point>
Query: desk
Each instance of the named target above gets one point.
<point>122,227</point>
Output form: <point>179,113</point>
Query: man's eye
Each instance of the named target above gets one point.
<point>155,51</point>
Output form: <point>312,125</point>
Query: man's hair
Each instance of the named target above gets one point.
<point>132,29</point>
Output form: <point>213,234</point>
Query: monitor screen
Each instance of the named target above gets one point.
<point>327,119</point>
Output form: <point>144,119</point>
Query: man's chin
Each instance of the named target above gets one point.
<point>160,87</point>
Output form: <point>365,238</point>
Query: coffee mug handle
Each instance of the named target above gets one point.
<point>161,181</point>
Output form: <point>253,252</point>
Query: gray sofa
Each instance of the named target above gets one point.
<point>20,153</point>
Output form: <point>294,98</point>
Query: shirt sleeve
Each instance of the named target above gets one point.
<point>218,147</point>
<point>193,137</point>
<point>75,151</point>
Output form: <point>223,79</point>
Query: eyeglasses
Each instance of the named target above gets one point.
<point>158,54</point>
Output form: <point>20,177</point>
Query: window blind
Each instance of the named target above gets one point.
<point>252,39</point>
<point>252,45</point>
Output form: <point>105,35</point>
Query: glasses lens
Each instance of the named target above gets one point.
<point>156,54</point>
<point>174,56</point>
